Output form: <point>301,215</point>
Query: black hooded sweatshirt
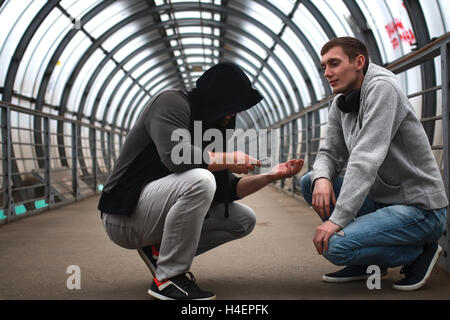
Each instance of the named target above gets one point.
<point>222,90</point>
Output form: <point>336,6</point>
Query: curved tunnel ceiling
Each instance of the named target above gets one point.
<point>101,61</point>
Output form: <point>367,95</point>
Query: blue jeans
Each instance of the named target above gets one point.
<point>384,235</point>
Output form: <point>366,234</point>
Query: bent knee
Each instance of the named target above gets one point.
<point>249,223</point>
<point>246,220</point>
<point>305,184</point>
<point>203,180</point>
<point>337,252</point>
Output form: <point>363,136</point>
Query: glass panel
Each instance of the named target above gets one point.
<point>283,105</point>
<point>127,31</point>
<point>259,13</point>
<point>286,84</point>
<point>400,28</point>
<point>40,49</point>
<point>137,59</point>
<point>247,56</point>
<point>120,94</point>
<point>130,109</point>
<point>100,80</point>
<point>112,15</point>
<point>310,27</point>
<point>264,103</point>
<point>433,12</point>
<point>187,14</point>
<point>444,8</point>
<point>164,84</point>
<point>132,118</point>
<point>135,44</point>
<point>284,6</point>
<point>384,27</point>
<point>111,89</point>
<point>66,63</point>
<point>337,16</point>
<point>246,42</point>
<point>15,20</point>
<point>191,40</point>
<point>82,79</point>
<point>308,64</point>
<point>78,8</point>
<point>193,51</point>
<point>252,29</point>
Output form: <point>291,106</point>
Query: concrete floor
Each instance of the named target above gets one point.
<point>276,261</point>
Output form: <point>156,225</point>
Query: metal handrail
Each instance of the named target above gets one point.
<point>73,186</point>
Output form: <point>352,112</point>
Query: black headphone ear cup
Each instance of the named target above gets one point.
<point>350,102</point>
<point>341,103</point>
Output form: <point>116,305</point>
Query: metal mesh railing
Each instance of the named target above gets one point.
<point>48,160</point>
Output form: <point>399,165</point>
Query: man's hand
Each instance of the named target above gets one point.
<point>286,169</point>
<point>240,162</point>
<point>237,162</point>
<point>323,233</point>
<point>322,194</point>
<point>251,184</point>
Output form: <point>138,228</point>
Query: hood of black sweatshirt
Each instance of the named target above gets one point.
<point>222,90</point>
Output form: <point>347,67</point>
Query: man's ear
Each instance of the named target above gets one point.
<point>360,62</point>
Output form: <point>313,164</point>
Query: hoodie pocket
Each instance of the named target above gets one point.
<point>382,189</point>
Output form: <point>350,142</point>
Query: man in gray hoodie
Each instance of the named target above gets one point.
<point>389,209</point>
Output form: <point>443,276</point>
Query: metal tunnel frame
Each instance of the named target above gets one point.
<point>87,144</point>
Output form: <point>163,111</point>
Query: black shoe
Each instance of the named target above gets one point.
<point>351,273</point>
<point>417,273</point>
<point>180,287</point>
<point>150,256</point>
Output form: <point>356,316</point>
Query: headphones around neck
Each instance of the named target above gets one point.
<point>349,102</point>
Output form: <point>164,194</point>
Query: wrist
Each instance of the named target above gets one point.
<point>217,161</point>
<point>270,178</point>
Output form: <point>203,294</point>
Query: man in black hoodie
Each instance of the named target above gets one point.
<point>169,210</point>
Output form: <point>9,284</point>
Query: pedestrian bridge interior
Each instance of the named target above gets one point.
<point>76,75</point>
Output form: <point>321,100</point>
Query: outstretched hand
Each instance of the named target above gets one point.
<point>286,169</point>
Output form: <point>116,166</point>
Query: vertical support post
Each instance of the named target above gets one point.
<point>8,201</point>
<point>444,261</point>
<point>47,163</point>
<point>282,146</point>
<point>121,138</point>
<point>111,149</point>
<point>294,151</point>
<point>94,158</point>
<point>308,133</point>
<point>75,188</point>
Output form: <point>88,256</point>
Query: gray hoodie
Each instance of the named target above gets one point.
<point>386,150</point>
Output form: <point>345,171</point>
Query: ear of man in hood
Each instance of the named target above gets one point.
<point>223,89</point>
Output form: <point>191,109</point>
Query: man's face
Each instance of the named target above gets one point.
<point>220,123</point>
<point>227,119</point>
<point>342,74</point>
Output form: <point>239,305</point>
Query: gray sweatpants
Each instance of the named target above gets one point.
<point>171,213</point>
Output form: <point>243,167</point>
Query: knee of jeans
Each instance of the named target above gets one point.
<point>305,184</point>
<point>337,253</point>
<point>204,181</point>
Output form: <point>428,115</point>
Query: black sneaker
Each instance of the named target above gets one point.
<point>351,273</point>
<point>417,273</point>
<point>180,287</point>
<point>150,256</point>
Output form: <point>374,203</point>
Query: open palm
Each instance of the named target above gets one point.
<point>286,169</point>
